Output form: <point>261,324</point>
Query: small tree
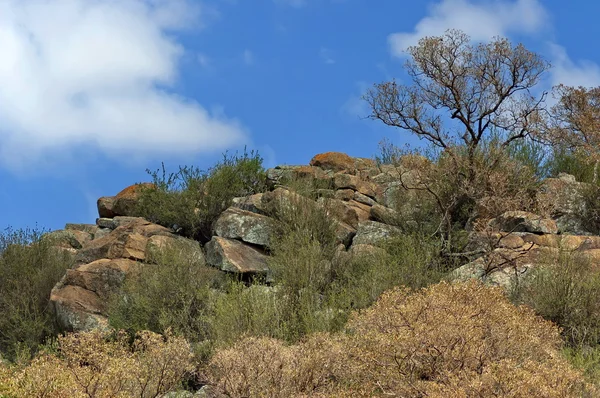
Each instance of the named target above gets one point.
<point>574,122</point>
<point>472,102</point>
<point>461,92</point>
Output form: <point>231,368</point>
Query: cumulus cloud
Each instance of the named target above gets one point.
<point>80,72</point>
<point>566,71</point>
<point>481,20</point>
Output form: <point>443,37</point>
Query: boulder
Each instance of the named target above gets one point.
<point>80,299</point>
<point>364,199</point>
<point>68,238</point>
<point>235,223</point>
<point>188,248</point>
<point>335,161</point>
<point>126,241</point>
<point>562,197</point>
<point>344,233</point>
<point>340,210</point>
<point>234,256</point>
<point>385,215</point>
<point>349,181</point>
<point>126,201</point>
<point>344,194</point>
<point>363,211</point>
<point>105,207</point>
<point>253,203</point>
<point>374,233</point>
<point>78,309</point>
<point>89,228</point>
<point>522,221</point>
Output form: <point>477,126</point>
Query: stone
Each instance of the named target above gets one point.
<point>105,207</point>
<point>562,197</point>
<point>77,309</point>
<point>253,203</point>
<point>283,174</point>
<point>385,215</point>
<point>364,199</point>
<point>335,161</point>
<point>68,238</point>
<point>103,277</point>
<point>89,228</point>
<point>348,181</point>
<point>189,248</point>
<point>235,223</point>
<point>126,201</point>
<point>363,211</point>
<point>126,241</point>
<point>340,210</point>
<point>234,256</point>
<point>344,233</point>
<point>344,194</point>
<point>374,233</point>
<point>522,221</point>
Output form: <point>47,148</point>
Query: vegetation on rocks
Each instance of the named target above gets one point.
<point>466,268</point>
<point>191,199</point>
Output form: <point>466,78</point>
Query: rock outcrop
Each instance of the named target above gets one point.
<point>365,203</point>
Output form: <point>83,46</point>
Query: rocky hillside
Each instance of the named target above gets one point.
<point>361,200</point>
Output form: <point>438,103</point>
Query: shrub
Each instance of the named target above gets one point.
<point>463,340</point>
<point>30,267</point>
<point>92,365</point>
<point>566,290</point>
<point>191,199</point>
<point>173,294</point>
<point>413,261</point>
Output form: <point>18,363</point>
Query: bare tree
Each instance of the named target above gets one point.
<point>574,122</point>
<point>462,91</point>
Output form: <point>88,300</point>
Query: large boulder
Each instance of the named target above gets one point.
<point>374,233</point>
<point>105,207</point>
<point>337,161</point>
<point>563,199</point>
<point>126,241</point>
<point>80,299</point>
<point>522,221</point>
<point>234,256</point>
<point>253,203</point>
<point>235,223</point>
<point>349,181</point>
<point>126,201</point>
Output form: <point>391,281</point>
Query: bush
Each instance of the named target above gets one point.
<point>191,199</point>
<point>463,340</point>
<point>29,269</point>
<point>92,365</point>
<point>175,293</point>
<point>566,290</point>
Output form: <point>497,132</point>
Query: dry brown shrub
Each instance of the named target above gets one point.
<point>90,365</point>
<point>265,367</point>
<point>449,340</point>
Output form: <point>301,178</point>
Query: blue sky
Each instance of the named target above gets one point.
<point>92,93</point>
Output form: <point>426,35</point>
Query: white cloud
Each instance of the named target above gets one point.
<point>566,71</point>
<point>482,20</point>
<point>326,55</point>
<point>80,72</point>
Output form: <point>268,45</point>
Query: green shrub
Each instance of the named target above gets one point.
<point>566,291</point>
<point>413,261</point>
<point>175,293</point>
<point>587,359</point>
<point>191,199</point>
<point>29,269</point>
<point>570,162</point>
